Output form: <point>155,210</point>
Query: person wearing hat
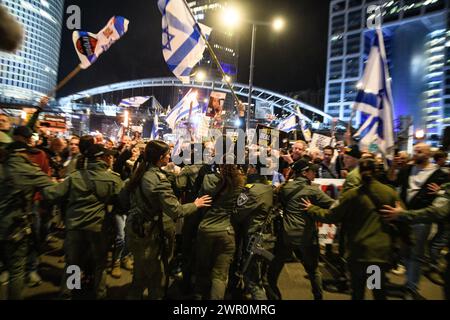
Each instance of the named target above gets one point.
<point>369,241</point>
<point>299,234</point>
<point>20,179</point>
<point>87,194</point>
<point>351,157</point>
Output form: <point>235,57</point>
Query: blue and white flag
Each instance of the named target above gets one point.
<point>182,43</point>
<point>374,100</point>
<point>182,109</point>
<point>134,101</point>
<point>90,46</point>
<point>288,124</point>
<point>154,134</point>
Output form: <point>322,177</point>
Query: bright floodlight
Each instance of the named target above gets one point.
<point>201,75</point>
<point>278,24</point>
<point>231,16</point>
<point>227,79</point>
<point>420,134</point>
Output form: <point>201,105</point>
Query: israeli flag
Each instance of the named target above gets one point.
<point>182,43</point>
<point>133,101</point>
<point>288,124</point>
<point>182,109</point>
<point>374,100</point>
<point>154,134</point>
<point>90,46</point>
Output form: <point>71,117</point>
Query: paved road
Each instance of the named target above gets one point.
<point>292,283</point>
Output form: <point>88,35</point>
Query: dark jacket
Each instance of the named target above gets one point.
<point>422,199</point>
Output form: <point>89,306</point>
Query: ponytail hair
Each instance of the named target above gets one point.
<point>84,144</point>
<point>154,150</point>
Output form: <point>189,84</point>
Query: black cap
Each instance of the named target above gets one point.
<point>23,131</point>
<point>353,151</point>
<point>304,164</point>
<point>98,150</point>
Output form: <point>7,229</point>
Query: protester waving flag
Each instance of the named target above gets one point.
<point>288,124</point>
<point>90,46</point>
<point>182,43</point>
<point>374,100</point>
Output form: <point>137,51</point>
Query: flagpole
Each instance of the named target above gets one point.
<point>64,81</point>
<point>213,55</point>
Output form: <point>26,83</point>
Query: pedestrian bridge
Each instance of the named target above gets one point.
<point>279,101</point>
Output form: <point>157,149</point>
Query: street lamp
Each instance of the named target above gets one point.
<point>232,17</point>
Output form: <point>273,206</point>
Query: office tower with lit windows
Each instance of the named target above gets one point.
<point>224,43</point>
<point>417,41</point>
<point>32,72</point>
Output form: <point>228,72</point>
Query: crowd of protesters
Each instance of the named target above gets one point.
<point>216,230</point>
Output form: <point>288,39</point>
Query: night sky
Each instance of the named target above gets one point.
<point>290,61</point>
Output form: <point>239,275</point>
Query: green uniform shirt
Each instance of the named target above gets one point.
<point>85,209</point>
<point>367,237</point>
<point>159,197</point>
<point>299,227</point>
<point>353,180</point>
<point>19,180</point>
<point>217,217</point>
<point>253,204</point>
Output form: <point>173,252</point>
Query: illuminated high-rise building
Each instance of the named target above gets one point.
<point>225,43</point>
<point>32,72</point>
<point>417,41</point>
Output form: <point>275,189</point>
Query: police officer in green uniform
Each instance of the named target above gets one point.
<point>253,206</point>
<point>19,181</point>
<point>215,244</point>
<point>87,194</point>
<point>150,226</point>
<point>437,212</point>
<point>300,234</point>
<point>369,240</point>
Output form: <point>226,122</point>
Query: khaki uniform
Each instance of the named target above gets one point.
<point>253,206</point>
<point>215,241</point>
<point>368,239</point>
<point>353,180</point>
<point>88,224</point>
<point>153,197</point>
<point>19,181</point>
<point>300,234</point>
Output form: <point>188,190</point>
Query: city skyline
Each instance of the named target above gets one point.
<point>31,73</point>
<point>281,62</point>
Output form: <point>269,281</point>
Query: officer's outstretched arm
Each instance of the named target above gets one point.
<point>438,211</point>
<point>169,202</point>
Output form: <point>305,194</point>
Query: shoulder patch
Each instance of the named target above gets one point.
<point>242,199</point>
